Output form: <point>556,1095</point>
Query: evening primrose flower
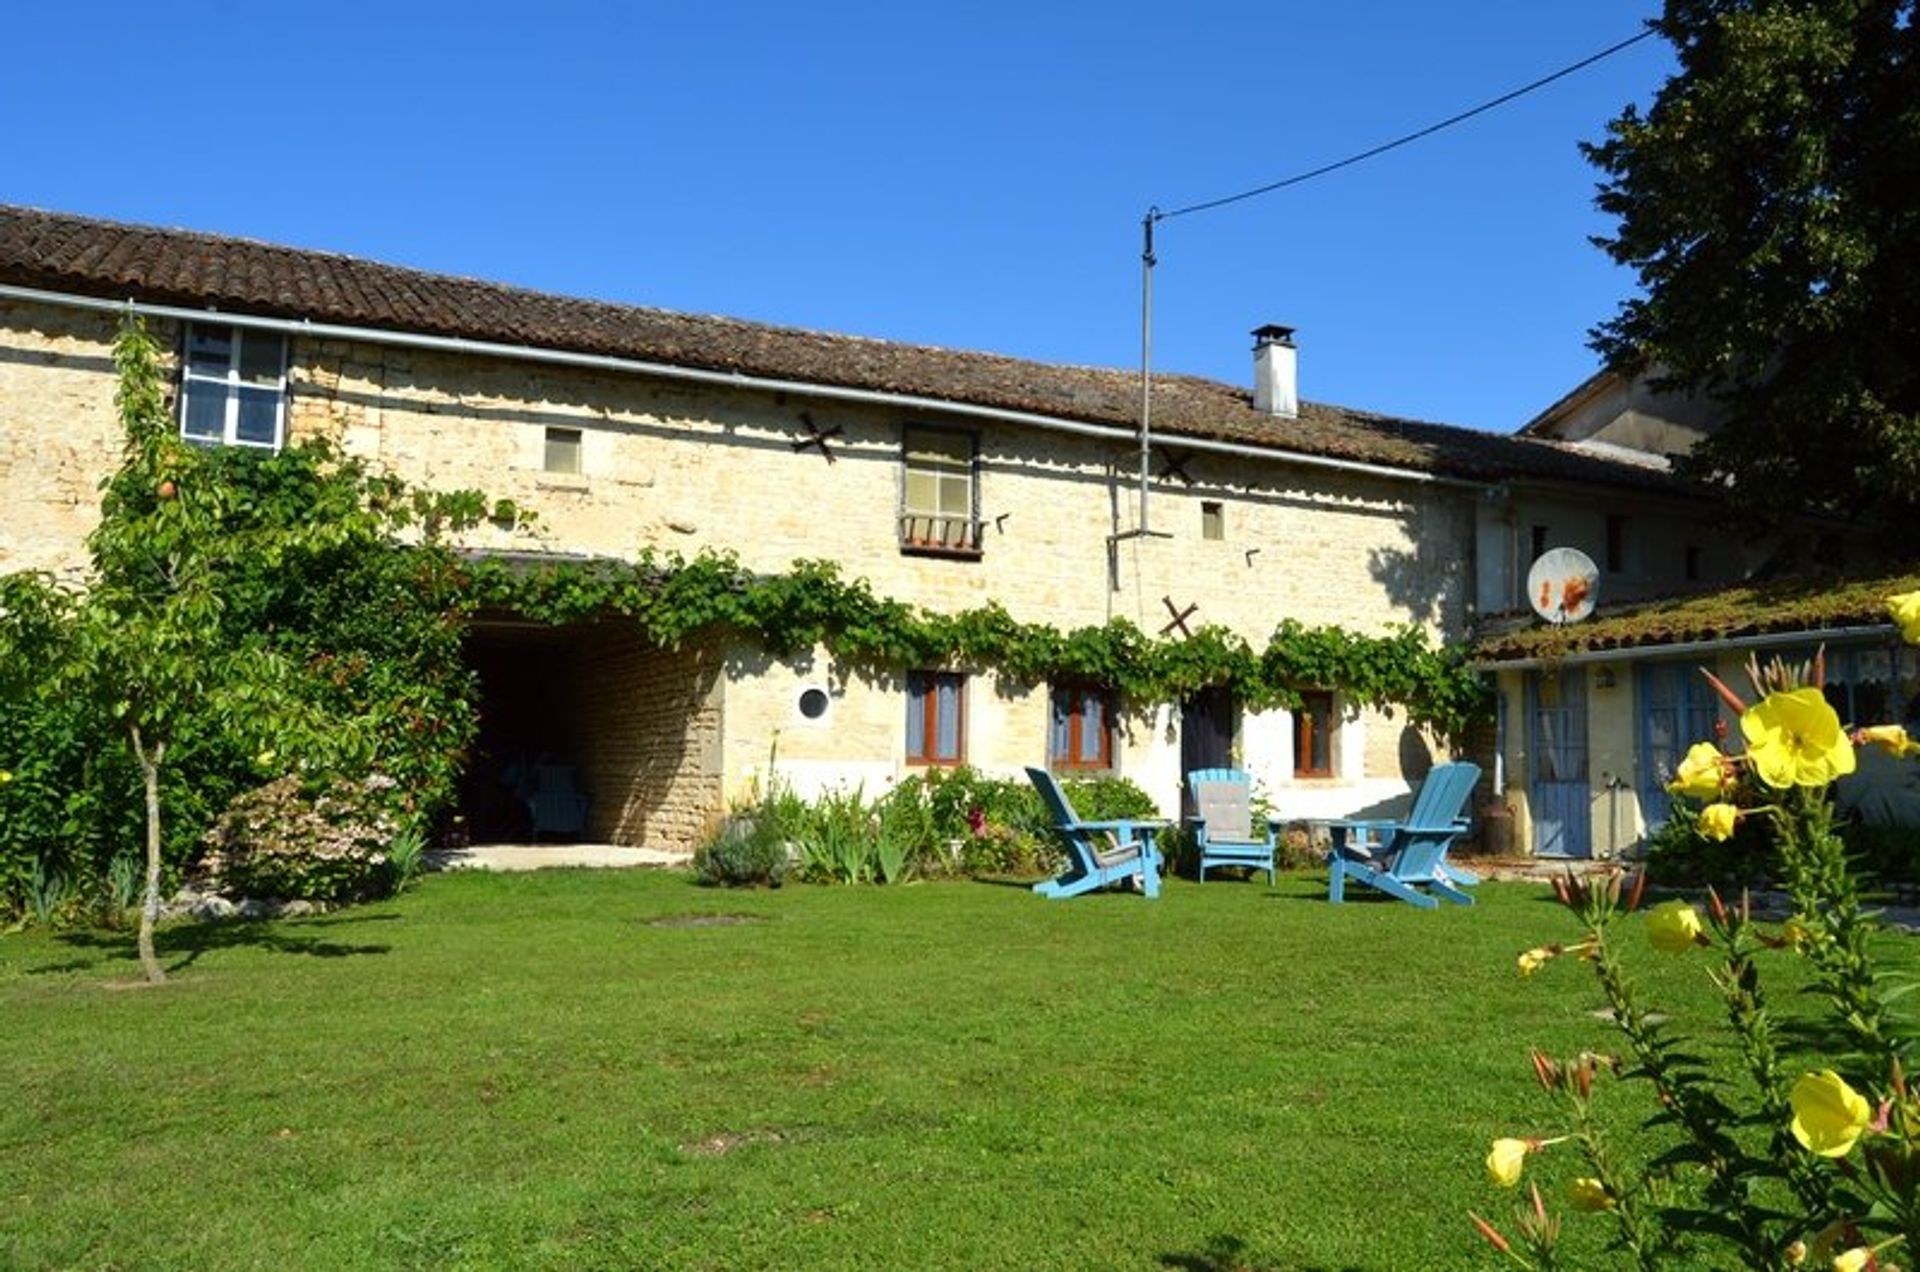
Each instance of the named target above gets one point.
<point>1828,1115</point>
<point>1536,958</point>
<point>1702,775</point>
<point>6,775</point>
<point>1855,1260</point>
<point>1588,1193</point>
<point>1905,609</point>
<point>1673,927</point>
<point>1717,822</point>
<point>1892,737</point>
<point>1795,739</point>
<point>1509,1155</point>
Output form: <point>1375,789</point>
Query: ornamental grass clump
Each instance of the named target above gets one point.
<point>1814,1163</point>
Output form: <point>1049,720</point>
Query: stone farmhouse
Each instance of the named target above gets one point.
<point>944,478</point>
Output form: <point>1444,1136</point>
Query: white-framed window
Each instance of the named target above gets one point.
<point>940,492</point>
<point>233,389</point>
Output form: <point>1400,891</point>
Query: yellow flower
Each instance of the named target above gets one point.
<point>5,776</point>
<point>1673,927</point>
<point>1702,775</point>
<point>1506,1159</point>
<point>1854,1260</point>
<point>1717,822</point>
<point>1905,609</point>
<point>1535,959</point>
<point>1828,1115</point>
<point>1891,736</point>
<point>1796,933</point>
<point>1587,1193</point>
<point>1795,739</point>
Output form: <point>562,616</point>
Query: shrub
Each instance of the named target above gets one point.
<point>1678,855</point>
<point>747,850</point>
<point>278,840</point>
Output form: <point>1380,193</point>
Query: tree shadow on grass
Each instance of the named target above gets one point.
<point>1228,1253</point>
<point>184,945</point>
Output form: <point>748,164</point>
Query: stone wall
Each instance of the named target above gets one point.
<point>650,724</point>
<point>682,467</point>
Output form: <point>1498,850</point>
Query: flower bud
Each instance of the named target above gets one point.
<point>1588,1194</point>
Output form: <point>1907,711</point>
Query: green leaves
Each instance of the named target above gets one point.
<point>1762,200</point>
<point>674,599</point>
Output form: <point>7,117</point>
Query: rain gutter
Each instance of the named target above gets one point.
<point>633,366</point>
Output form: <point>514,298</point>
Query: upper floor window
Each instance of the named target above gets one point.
<point>562,450</point>
<point>1213,519</point>
<point>936,717</point>
<point>233,390</point>
<point>1616,543</point>
<point>939,492</point>
<point>1313,727</point>
<point>1081,732</point>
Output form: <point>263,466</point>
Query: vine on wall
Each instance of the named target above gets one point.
<point>672,599</point>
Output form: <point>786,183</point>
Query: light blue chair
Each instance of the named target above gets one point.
<point>1222,823</point>
<point>1408,858</point>
<point>1099,853</point>
<point>555,805</point>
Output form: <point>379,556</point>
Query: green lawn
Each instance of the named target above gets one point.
<point>560,1071</point>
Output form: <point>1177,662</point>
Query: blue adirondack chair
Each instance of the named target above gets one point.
<point>1408,858</point>
<point>1099,853</point>
<point>555,805</point>
<point>1223,822</point>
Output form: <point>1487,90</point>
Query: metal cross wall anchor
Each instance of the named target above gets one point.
<point>1176,464</point>
<point>817,436</point>
<point>1180,617</point>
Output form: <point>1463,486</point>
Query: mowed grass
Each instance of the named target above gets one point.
<point>585,1070</point>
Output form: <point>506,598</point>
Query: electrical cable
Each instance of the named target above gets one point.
<point>1396,143</point>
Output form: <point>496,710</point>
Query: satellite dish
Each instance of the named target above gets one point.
<point>1563,585</point>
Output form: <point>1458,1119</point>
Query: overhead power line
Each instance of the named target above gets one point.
<point>1397,142</point>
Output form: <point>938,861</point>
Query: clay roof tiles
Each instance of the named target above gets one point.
<point>60,252</point>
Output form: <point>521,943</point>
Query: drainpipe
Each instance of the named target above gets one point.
<point>634,366</point>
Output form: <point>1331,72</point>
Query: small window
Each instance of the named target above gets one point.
<point>1313,725</point>
<point>1539,543</point>
<point>939,493</point>
<point>563,450</point>
<point>1081,732</point>
<point>1213,519</point>
<point>1616,543</point>
<point>233,387</point>
<point>813,702</point>
<point>936,717</point>
<point>1693,563</point>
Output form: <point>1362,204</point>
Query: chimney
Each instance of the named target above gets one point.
<point>1276,375</point>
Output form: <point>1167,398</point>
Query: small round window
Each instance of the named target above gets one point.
<point>813,702</point>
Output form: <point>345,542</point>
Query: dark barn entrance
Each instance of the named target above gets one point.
<point>531,749</point>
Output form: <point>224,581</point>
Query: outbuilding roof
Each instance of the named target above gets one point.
<point>1812,605</point>
<point>82,255</point>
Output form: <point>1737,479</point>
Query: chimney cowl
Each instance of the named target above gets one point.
<point>1276,372</point>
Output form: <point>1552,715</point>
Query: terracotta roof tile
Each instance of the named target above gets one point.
<point>60,252</point>
<point>1800,604</point>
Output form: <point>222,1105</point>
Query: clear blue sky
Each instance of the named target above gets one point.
<point>962,175</point>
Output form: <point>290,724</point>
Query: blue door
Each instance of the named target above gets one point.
<point>1558,790</point>
<point>1677,709</point>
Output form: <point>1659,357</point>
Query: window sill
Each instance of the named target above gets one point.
<point>561,481</point>
<point>939,550</point>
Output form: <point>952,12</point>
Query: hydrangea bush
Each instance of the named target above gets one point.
<point>1788,1166</point>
